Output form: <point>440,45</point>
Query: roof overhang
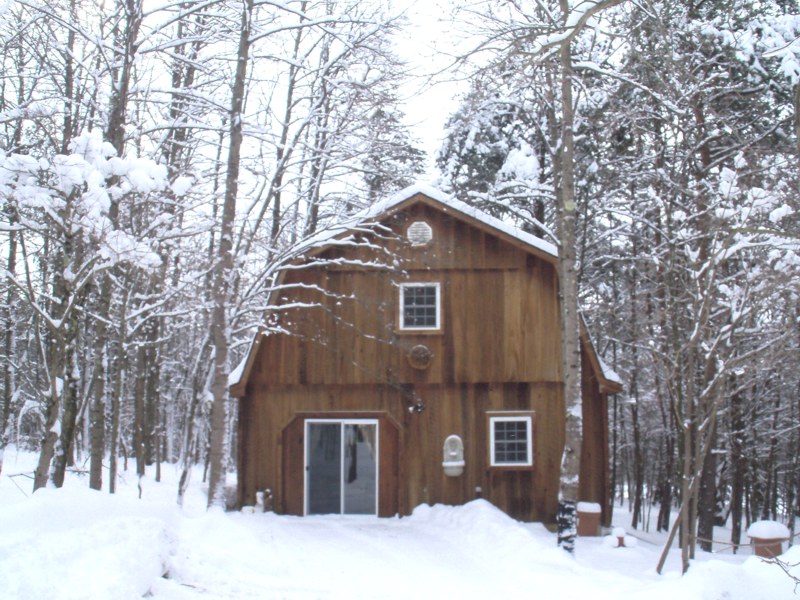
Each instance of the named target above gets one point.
<point>608,381</point>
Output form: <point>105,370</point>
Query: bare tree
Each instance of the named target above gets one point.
<point>223,267</point>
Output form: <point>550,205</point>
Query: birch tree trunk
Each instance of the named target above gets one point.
<point>570,357</point>
<point>223,271</point>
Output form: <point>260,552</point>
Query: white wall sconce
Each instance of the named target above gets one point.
<point>453,460</point>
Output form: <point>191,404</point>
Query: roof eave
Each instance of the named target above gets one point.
<point>606,383</point>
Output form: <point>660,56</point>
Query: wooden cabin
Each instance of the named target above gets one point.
<point>413,356</point>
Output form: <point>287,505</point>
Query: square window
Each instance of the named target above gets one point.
<point>419,306</point>
<point>511,441</point>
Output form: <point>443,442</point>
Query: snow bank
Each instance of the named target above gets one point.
<point>78,543</point>
<point>481,526</point>
<point>74,543</point>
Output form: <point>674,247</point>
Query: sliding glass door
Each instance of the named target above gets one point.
<point>341,467</point>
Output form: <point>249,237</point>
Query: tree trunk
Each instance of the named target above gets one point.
<point>570,358</point>
<point>53,403</point>
<point>70,400</point>
<point>8,341</point>
<point>668,461</point>
<point>66,345</point>
<point>187,460</point>
<point>139,413</point>
<point>116,396</point>
<point>283,151</point>
<point>638,462</point>
<point>69,80</point>
<point>687,493</point>
<point>97,419</point>
<point>769,509</point>
<point>115,135</point>
<point>707,500</point>
<point>793,508</point>
<point>152,374</point>
<point>564,167</point>
<point>223,271</point>
<point>126,55</point>
<point>738,467</point>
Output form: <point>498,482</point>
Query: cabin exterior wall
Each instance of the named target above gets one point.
<point>528,493</point>
<point>342,354</point>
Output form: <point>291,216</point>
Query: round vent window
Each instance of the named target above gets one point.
<point>419,233</point>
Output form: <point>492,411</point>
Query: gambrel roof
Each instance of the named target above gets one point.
<point>432,197</point>
<point>367,220</point>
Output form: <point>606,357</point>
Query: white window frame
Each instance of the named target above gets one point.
<point>436,285</point>
<point>529,441</point>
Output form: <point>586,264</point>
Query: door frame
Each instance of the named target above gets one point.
<point>342,422</point>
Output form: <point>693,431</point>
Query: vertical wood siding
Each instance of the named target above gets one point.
<point>411,444</point>
<point>498,349</point>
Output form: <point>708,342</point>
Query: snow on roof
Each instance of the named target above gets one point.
<point>235,376</point>
<point>449,204</point>
<point>609,373</point>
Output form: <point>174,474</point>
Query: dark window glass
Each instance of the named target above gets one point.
<point>360,469</point>
<point>324,468</point>
<point>420,306</point>
<point>342,459</point>
<point>511,442</point>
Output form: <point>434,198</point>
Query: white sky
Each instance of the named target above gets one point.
<point>433,96</point>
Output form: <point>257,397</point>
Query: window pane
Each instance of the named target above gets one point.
<point>324,468</point>
<point>511,441</point>
<point>360,469</point>
<point>341,468</point>
<point>420,306</point>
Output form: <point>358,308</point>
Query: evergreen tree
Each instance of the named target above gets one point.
<point>392,162</point>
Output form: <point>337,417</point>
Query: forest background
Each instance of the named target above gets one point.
<point>159,162</point>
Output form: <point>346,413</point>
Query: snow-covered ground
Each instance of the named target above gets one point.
<point>75,543</point>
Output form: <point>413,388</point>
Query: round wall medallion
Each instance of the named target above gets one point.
<point>420,357</point>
